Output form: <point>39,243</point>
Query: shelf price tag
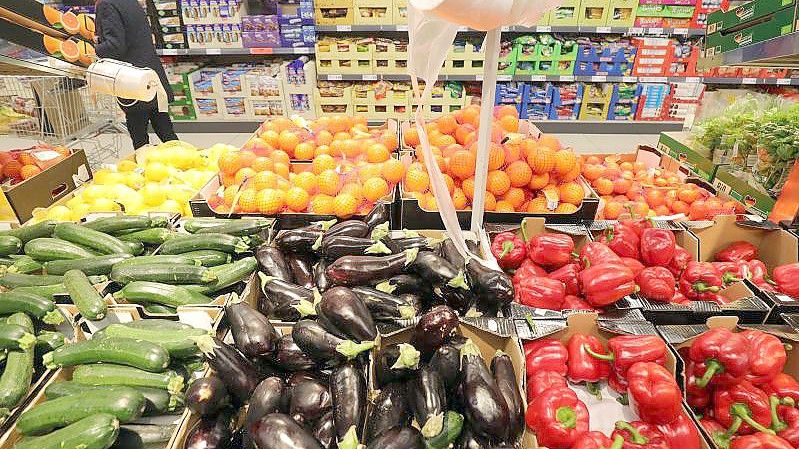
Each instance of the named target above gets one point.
<point>169,52</point>
<point>543,29</point>
<point>213,51</point>
<point>693,79</point>
<point>655,31</point>
<point>629,79</point>
<point>636,30</point>
<point>334,77</point>
<point>370,77</point>
<point>599,78</point>
<point>603,29</point>
<point>683,31</point>
<point>538,77</point>
<point>478,77</point>
<point>566,78</point>
<point>344,28</point>
<point>504,29</point>
<point>749,81</point>
<point>783,81</point>
<point>656,79</point>
<point>261,51</point>
<point>504,77</point>
<point>402,27</point>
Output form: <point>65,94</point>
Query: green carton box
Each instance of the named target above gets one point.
<point>679,146</point>
<point>775,25</point>
<point>722,20</point>
<point>739,188</point>
<point>673,11</point>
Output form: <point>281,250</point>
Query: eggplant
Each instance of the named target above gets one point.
<point>325,431</point>
<point>206,396</point>
<point>447,362</point>
<point>253,333</point>
<point>484,405</point>
<point>403,283</point>
<point>320,276</point>
<point>468,440</point>
<point>267,398</point>
<point>234,369</point>
<point>460,299</point>
<point>348,389</point>
<point>350,228</point>
<point>292,381</point>
<point>448,282</point>
<point>398,245</point>
<point>323,347</point>
<point>428,400</point>
<point>289,357</point>
<point>310,400</point>
<point>450,252</point>
<point>279,431</point>
<point>271,261</point>
<point>492,286</point>
<point>386,307</point>
<point>434,329</point>
<point>395,363</point>
<point>398,438</point>
<point>505,377</point>
<point>301,240</point>
<point>301,267</point>
<point>284,300</point>
<point>339,246</point>
<point>363,270</point>
<point>389,409</point>
<point>379,214</point>
<point>347,313</point>
<point>210,433</point>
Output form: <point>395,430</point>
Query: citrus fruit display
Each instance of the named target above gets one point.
<point>19,165</point>
<point>525,174</point>
<point>344,168</point>
<point>632,188</point>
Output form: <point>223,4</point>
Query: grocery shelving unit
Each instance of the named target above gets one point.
<point>235,51</point>
<point>781,51</point>
<point>573,78</point>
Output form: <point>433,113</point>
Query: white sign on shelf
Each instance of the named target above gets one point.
<point>370,77</point>
<point>683,31</point>
<point>599,78</point>
<point>504,77</point>
<point>334,77</point>
<point>566,78</point>
<point>657,31</point>
<point>543,29</point>
<point>749,81</point>
<point>783,81</point>
<point>629,79</point>
<point>213,51</point>
<point>538,78</point>
<point>402,27</point>
<point>693,79</point>
<point>344,28</point>
<point>603,29</point>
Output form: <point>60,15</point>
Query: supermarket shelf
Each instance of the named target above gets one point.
<point>549,126</point>
<point>572,78</point>
<point>781,52</point>
<point>535,29</point>
<point>235,51</point>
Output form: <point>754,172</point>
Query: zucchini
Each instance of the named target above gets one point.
<point>14,336</point>
<point>109,374</point>
<point>135,248</point>
<point>239,228</point>
<point>159,259</point>
<point>121,351</point>
<point>141,436</point>
<point>154,236</point>
<point>18,373</point>
<point>218,242</point>
<point>111,225</point>
<point>14,280</point>
<point>164,273</point>
<point>50,340</point>
<point>124,403</point>
<point>178,343</point>
<point>227,275</point>
<point>158,401</point>
<point>45,291</point>
<point>158,323</point>
<point>34,231</point>
<point>25,264</point>
<point>89,303</point>
<point>209,257</point>
<point>143,292</point>
<point>45,249</point>
<point>90,266</point>
<point>96,240</point>
<point>7,261</point>
<point>9,245</point>
<point>159,309</point>
<point>33,305</point>
<point>97,431</point>
<point>193,225</point>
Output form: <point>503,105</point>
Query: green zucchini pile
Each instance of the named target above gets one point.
<point>122,379</point>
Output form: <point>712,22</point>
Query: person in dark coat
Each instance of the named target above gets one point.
<point>123,34</point>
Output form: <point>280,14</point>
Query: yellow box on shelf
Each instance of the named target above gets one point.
<point>374,12</point>
<point>334,12</point>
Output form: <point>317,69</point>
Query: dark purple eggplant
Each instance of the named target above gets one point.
<point>301,266</point>
<point>484,405</point>
<point>505,377</point>
<point>447,362</point>
<point>380,213</point>
<point>468,440</point>
<point>398,245</point>
<point>343,245</point>
<point>310,400</point>
<point>460,299</point>
<point>267,398</point>
<point>253,333</point>
<point>403,283</point>
<point>389,409</point>
<point>325,430</point>
<point>289,357</point>
<point>351,228</point>
<point>211,433</point>
<point>284,300</point>
<point>386,307</point>
<point>347,313</point>
<point>363,270</point>
<point>492,286</point>
<point>448,282</point>
<point>348,389</point>
<point>301,240</point>
<point>291,382</point>
<point>395,363</point>
<point>398,438</point>
<point>238,373</point>
<point>449,252</point>
<point>279,431</point>
<point>206,396</point>
<point>434,329</point>
<point>428,400</point>
<point>320,275</point>
<point>323,347</point>
<point>271,261</point>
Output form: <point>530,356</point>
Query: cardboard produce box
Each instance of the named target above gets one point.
<point>736,185</point>
<point>774,24</point>
<point>679,146</point>
<point>748,12</point>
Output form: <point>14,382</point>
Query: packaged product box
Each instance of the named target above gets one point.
<point>775,24</point>
<point>748,12</point>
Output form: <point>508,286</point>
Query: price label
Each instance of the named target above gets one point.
<point>683,31</point>
<point>657,79</point>
<point>636,30</point>
<point>629,79</point>
<point>343,28</point>
<point>655,31</point>
<point>566,78</point>
<point>402,27</point>
<point>504,29</point>
<point>603,29</point>
<point>334,77</point>
<point>749,81</point>
<point>478,77</point>
<point>538,78</point>
<point>370,77</point>
<point>302,51</point>
<point>504,77</point>
<point>783,81</point>
<point>693,79</point>
<point>261,51</point>
<point>168,52</point>
<point>599,78</point>
<point>213,51</point>
<point>543,29</point>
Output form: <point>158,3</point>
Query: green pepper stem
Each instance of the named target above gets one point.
<point>788,401</point>
<point>507,246</point>
<point>609,357</point>
<point>777,424</point>
<point>788,347</point>
<point>713,368</point>
<point>566,417</point>
<point>593,388</point>
<point>623,399</point>
<point>742,411</point>
<point>634,433</point>
<point>703,287</point>
<point>618,442</point>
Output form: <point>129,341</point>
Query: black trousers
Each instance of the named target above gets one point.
<point>140,115</point>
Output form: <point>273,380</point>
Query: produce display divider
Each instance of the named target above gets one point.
<point>681,336</point>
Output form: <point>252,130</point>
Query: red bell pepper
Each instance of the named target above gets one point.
<point>767,356</point>
<point>760,441</point>
<point>637,224</point>
<point>737,251</point>
<point>783,385</point>
<point>576,303</point>
<point>679,261</point>
<point>541,292</point>
<point>606,283</point>
<point>681,433</point>
<point>597,440</point>
<point>697,397</point>
<point>558,418</point>
<point>656,284</point>
<point>640,435</point>
<point>583,367</point>
<point>634,264</point>
<point>568,275</point>
<point>789,417</point>
<point>743,408</point>
<point>527,269</point>
<point>787,279</point>
<point>716,431</point>
<point>627,350</point>
<point>758,274</point>
<point>595,253</point>
<point>617,383</point>
<point>542,381</point>
<point>509,249</point>
<point>623,240</point>
<point>732,271</point>
<point>679,298</point>
<point>653,393</point>
<point>550,250</point>
<point>700,281</point>
<point>545,354</point>
<point>719,353</point>
<point>657,246</point>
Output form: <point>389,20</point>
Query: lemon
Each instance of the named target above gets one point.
<point>134,180</point>
<point>59,213</point>
<point>126,166</point>
<point>180,194</point>
<point>170,206</point>
<point>152,194</point>
<point>74,202</point>
<point>93,192</point>
<point>104,205</point>
<point>39,213</point>
<point>103,176</point>
<point>156,172</point>
<point>80,211</point>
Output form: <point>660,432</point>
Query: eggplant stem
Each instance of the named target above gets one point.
<point>433,426</point>
<point>379,232</point>
<point>459,281</point>
<point>305,308</point>
<point>385,287</point>
<point>469,348</point>
<point>318,243</point>
<point>407,312</point>
<point>409,234</point>
<point>596,355</point>
<point>408,357</point>
<point>205,343</point>
<point>350,440</point>
<point>410,255</point>
<point>377,248</point>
